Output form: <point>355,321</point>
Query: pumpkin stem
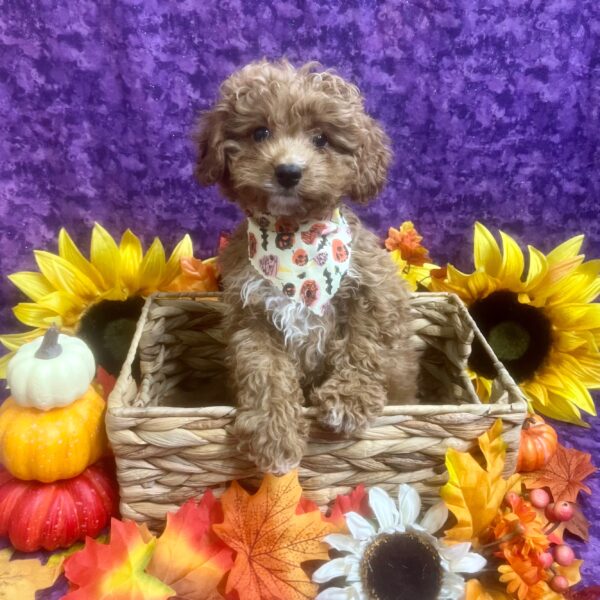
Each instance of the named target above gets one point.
<point>50,347</point>
<point>528,422</point>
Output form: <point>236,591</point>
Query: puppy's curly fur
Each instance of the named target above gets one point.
<point>352,361</point>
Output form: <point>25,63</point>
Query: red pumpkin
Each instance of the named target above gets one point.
<point>38,515</point>
<point>538,444</point>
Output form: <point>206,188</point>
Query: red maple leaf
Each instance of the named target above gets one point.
<point>356,501</point>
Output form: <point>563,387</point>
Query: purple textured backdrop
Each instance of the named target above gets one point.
<point>493,109</point>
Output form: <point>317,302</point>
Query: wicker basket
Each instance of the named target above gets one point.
<point>170,433</point>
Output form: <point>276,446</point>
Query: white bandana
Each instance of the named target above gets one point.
<point>305,260</point>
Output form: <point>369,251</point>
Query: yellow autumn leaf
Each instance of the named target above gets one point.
<point>23,578</point>
<point>474,493</point>
<point>475,590</point>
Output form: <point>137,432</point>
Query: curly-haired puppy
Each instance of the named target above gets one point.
<point>316,308</point>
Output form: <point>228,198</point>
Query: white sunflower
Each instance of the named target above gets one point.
<point>399,559</point>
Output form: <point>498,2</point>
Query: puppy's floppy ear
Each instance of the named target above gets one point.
<point>372,161</point>
<point>211,164</point>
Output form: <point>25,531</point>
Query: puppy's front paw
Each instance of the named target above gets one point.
<point>346,406</point>
<point>271,451</point>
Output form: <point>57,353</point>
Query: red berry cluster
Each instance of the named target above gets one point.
<point>562,554</point>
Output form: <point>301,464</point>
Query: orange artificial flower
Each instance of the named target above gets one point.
<point>408,241</point>
<point>523,579</point>
<point>196,275</point>
<point>521,521</point>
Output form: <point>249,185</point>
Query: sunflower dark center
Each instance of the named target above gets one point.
<point>401,565</point>
<point>519,334</point>
<point>509,340</point>
<point>108,328</point>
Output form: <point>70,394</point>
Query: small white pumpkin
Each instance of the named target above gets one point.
<point>51,371</point>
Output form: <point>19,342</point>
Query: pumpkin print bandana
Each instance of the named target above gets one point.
<point>306,260</point>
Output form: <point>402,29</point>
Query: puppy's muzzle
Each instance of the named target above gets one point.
<point>288,176</point>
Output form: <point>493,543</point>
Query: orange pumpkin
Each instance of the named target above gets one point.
<point>538,444</point>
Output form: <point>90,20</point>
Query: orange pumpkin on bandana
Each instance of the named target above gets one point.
<point>340,252</point>
<point>300,257</point>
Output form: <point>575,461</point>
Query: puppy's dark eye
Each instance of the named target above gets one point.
<point>261,134</point>
<point>320,140</point>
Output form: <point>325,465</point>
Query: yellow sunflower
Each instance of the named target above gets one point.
<point>410,256</point>
<point>540,320</point>
<point>100,299</point>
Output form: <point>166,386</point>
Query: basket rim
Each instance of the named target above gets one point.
<point>416,410</point>
<point>116,406</point>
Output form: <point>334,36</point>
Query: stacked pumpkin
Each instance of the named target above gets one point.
<point>54,487</point>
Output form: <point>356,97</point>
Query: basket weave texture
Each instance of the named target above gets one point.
<point>170,434</point>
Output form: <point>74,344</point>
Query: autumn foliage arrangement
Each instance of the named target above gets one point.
<point>488,538</point>
<point>240,547</point>
<point>517,523</point>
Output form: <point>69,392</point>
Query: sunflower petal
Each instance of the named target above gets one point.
<point>64,276</point>
<point>33,284</point>
<point>566,250</point>
<point>67,306</point>
<point>536,393</point>
<point>582,285</point>
<point>589,365</point>
<point>59,307</point>
<point>575,317</point>
<point>13,341</point>
<point>70,252</point>
<point>131,253</point>
<point>559,408</point>
<point>152,269</point>
<point>480,285</point>
<point>554,281</point>
<point>573,391</point>
<point>4,360</point>
<point>483,388</point>
<point>575,365</point>
<point>35,315</point>
<point>184,249</point>
<point>538,267</point>
<point>486,253</point>
<point>567,341</point>
<point>105,255</point>
<point>455,282</point>
<point>513,263</point>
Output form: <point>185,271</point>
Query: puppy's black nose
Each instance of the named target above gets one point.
<point>288,175</point>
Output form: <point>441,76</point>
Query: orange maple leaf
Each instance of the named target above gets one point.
<point>116,571</point>
<point>188,556</point>
<point>271,540</point>
<point>563,474</point>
